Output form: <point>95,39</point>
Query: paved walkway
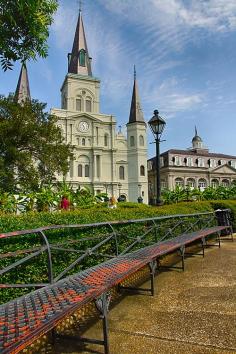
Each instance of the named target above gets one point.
<point>192,312</point>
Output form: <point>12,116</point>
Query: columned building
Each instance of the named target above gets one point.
<point>104,159</point>
<point>195,167</point>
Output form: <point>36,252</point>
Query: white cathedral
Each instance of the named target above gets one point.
<point>104,160</point>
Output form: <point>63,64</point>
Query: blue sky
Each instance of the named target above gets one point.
<point>185,56</point>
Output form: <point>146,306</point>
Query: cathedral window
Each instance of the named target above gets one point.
<point>141,140</point>
<point>132,143</point>
<point>142,170</point>
<point>83,141</point>
<point>80,170</point>
<point>88,104</point>
<point>106,140</point>
<point>79,104</point>
<point>82,54</point>
<point>121,172</point>
<point>86,171</point>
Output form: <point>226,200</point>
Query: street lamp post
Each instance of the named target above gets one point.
<point>140,199</point>
<point>106,185</point>
<point>119,187</point>
<point>157,125</point>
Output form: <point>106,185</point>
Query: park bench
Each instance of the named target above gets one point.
<point>25,319</point>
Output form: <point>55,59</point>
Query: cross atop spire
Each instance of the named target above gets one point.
<point>79,61</point>
<point>134,72</point>
<point>136,114</point>
<point>22,90</point>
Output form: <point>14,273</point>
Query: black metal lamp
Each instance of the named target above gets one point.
<point>140,199</point>
<point>157,125</point>
<point>119,187</point>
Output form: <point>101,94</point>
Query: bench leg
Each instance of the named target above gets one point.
<point>219,238</point>
<point>182,251</point>
<point>203,240</point>
<point>153,267</point>
<point>102,304</point>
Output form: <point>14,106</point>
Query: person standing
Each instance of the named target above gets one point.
<point>65,203</point>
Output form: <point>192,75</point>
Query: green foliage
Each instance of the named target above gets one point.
<point>32,149</point>
<point>24,29</point>
<point>187,194</point>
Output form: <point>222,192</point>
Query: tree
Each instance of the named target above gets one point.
<point>32,149</point>
<point>24,29</point>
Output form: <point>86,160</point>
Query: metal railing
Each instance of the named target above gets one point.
<point>48,254</point>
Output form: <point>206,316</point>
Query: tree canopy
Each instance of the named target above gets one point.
<point>24,29</point>
<point>32,148</point>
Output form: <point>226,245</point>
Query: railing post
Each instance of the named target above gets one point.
<point>50,270</point>
<point>102,304</point>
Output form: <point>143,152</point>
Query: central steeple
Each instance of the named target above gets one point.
<point>79,61</point>
<point>136,114</point>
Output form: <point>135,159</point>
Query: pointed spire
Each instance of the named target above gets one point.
<point>136,114</point>
<point>195,130</point>
<point>22,90</point>
<point>79,60</point>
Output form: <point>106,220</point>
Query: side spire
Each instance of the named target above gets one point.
<point>136,114</point>
<point>23,90</point>
<point>78,59</point>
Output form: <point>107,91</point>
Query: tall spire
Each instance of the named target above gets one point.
<point>195,130</point>
<point>79,60</point>
<point>22,90</point>
<point>136,114</point>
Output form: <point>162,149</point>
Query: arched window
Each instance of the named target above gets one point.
<point>179,182</point>
<point>121,172</point>
<point>141,140</point>
<point>225,183</point>
<point>191,183</point>
<point>132,143</point>
<point>86,171</point>
<point>83,141</point>
<point>214,183</point>
<point>80,170</point>
<point>79,104</point>
<point>83,166</point>
<point>106,140</point>
<point>202,183</point>
<point>82,54</point>
<point>88,104</point>
<point>142,170</point>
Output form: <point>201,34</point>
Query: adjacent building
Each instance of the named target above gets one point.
<point>195,167</point>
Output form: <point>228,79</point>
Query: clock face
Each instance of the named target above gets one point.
<point>83,126</point>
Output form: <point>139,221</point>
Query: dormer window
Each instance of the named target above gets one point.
<point>82,54</point>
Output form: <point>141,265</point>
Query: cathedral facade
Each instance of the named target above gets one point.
<point>104,160</point>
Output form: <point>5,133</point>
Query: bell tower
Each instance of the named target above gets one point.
<point>137,149</point>
<point>80,89</point>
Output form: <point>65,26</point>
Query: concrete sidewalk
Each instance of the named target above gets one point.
<point>192,312</point>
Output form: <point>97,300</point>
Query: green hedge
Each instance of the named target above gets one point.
<point>125,211</point>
